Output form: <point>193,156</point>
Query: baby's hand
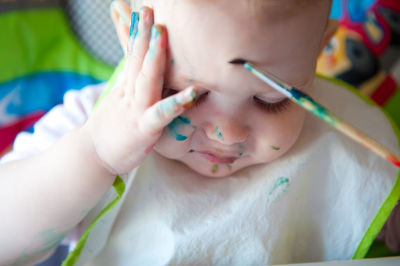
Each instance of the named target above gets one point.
<point>129,120</point>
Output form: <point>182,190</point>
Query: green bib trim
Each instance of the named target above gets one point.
<point>73,257</point>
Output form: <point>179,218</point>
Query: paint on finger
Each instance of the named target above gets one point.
<point>133,30</point>
<point>175,105</point>
<point>156,31</point>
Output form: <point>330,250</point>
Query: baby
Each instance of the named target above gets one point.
<point>210,152</point>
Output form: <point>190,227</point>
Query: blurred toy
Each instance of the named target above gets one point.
<point>364,34</point>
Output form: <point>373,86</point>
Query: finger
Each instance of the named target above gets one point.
<point>163,112</point>
<point>139,43</point>
<point>150,81</point>
<point>120,16</point>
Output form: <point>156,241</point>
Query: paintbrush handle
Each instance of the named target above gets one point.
<point>315,108</point>
<point>312,106</point>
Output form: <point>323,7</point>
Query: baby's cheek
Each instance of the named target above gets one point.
<point>282,134</point>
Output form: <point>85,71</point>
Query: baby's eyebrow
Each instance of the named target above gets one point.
<point>237,61</point>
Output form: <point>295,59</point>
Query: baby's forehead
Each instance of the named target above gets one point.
<point>262,10</point>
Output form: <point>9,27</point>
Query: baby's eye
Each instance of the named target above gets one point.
<point>201,99</point>
<point>272,108</point>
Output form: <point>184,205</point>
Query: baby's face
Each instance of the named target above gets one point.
<point>238,120</point>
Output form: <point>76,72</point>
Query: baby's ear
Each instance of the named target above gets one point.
<point>330,30</point>
<point>121,14</point>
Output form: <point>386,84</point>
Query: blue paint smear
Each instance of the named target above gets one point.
<point>279,188</point>
<point>39,92</point>
<point>175,126</point>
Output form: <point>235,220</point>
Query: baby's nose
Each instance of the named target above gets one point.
<point>227,132</point>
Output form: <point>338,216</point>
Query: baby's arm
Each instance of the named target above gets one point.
<point>44,196</point>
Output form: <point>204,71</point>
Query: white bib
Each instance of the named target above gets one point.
<point>326,199</point>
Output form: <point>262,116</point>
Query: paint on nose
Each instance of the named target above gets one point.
<point>218,132</point>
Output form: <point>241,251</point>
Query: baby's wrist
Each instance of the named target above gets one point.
<point>96,160</point>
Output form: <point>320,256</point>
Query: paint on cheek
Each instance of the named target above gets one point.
<point>279,188</point>
<point>218,132</point>
<point>214,168</point>
<point>176,126</point>
<point>275,148</point>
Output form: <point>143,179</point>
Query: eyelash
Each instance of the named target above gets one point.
<point>272,108</point>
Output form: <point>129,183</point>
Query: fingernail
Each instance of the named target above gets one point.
<point>117,6</point>
<point>134,25</point>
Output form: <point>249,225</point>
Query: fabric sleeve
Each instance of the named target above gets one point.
<point>73,112</point>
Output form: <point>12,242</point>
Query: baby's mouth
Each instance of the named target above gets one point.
<point>214,158</point>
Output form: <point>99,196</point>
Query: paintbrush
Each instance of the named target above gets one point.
<point>323,113</point>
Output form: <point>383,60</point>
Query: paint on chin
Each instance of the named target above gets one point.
<point>175,127</point>
<point>214,168</point>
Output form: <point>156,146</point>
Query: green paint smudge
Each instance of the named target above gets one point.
<point>279,188</point>
<point>214,168</point>
<point>275,148</point>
